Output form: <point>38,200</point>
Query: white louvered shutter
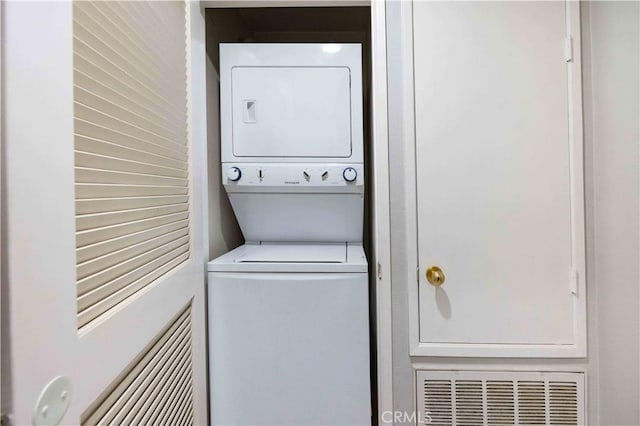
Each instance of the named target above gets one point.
<point>131,157</point>
<point>104,101</point>
<point>157,388</point>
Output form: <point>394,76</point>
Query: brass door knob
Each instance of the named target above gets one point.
<point>435,276</point>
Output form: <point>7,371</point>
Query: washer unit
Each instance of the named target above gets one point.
<point>288,311</point>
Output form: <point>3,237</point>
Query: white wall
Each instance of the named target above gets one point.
<point>611,93</point>
<point>611,49</point>
<point>402,370</point>
<point>224,232</point>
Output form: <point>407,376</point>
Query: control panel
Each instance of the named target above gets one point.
<point>296,177</point>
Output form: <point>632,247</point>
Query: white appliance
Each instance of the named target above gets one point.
<point>288,311</point>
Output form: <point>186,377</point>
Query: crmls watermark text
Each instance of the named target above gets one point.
<point>405,417</point>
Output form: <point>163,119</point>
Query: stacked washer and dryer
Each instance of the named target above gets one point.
<point>288,310</point>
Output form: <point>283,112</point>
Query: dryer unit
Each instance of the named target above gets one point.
<point>292,132</point>
<point>288,311</point>
<point>283,103</point>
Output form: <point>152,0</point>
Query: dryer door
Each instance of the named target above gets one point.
<point>297,112</point>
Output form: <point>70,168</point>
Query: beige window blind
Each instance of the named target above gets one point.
<point>131,152</point>
<point>157,389</point>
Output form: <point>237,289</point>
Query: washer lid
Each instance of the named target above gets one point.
<point>283,257</point>
<point>294,253</point>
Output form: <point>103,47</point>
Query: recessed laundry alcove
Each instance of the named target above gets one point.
<point>292,25</point>
<point>275,25</point>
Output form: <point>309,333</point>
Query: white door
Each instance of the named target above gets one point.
<point>498,179</point>
<point>103,285</point>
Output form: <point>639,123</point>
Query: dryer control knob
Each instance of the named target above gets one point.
<point>350,174</point>
<point>234,174</point>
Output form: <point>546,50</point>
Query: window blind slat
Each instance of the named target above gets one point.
<point>103,162</point>
<point>93,49</point>
<point>103,247</point>
<point>97,220</point>
<point>173,412</point>
<point>131,151</point>
<point>97,146</point>
<point>88,190</point>
<point>109,44</point>
<point>135,79</point>
<point>146,17</point>
<point>161,348</point>
<point>86,96</point>
<point>92,236</point>
<point>159,389</point>
<point>158,118</point>
<point>121,29</point>
<point>93,115</point>
<point>98,264</point>
<point>166,357</point>
<point>145,33</point>
<point>97,72</point>
<point>127,271</point>
<point>156,386</point>
<point>111,204</point>
<point>85,129</point>
<point>111,300</point>
<point>86,175</point>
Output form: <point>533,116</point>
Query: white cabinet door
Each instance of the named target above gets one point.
<point>102,223</point>
<point>498,178</point>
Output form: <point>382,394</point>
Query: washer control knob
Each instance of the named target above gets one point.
<point>350,174</point>
<point>234,174</point>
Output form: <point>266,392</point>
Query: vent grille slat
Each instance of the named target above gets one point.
<point>532,402</point>
<point>500,398</point>
<point>438,401</point>
<point>469,407</point>
<point>500,403</point>
<point>563,404</point>
<point>162,372</point>
<point>131,149</point>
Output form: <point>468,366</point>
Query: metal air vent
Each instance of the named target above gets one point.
<point>500,398</point>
